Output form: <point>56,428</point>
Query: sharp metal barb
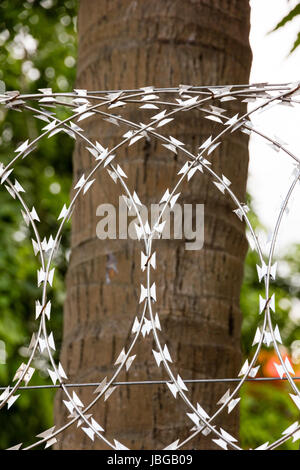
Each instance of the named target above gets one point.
<point>162,106</point>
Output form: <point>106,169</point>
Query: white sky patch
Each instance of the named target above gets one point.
<point>269,171</point>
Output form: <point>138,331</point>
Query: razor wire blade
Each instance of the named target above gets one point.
<point>163,106</point>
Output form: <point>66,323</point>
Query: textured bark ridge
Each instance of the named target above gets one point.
<point>129,44</point>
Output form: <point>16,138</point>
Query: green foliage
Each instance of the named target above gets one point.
<point>289,17</point>
<point>296,43</point>
<point>287,288</point>
<point>265,411</point>
<point>266,408</point>
<point>295,12</point>
<point>38,50</point>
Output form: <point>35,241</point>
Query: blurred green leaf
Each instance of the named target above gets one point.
<point>289,17</point>
<point>38,48</point>
<point>286,19</point>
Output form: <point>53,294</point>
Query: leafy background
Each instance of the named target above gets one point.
<point>38,50</point>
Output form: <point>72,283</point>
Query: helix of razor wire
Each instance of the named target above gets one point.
<point>149,98</point>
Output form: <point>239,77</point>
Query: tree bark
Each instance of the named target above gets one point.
<point>130,44</point>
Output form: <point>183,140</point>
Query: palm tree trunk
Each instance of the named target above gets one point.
<point>130,44</point>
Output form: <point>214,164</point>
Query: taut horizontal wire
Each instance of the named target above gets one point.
<point>154,382</point>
